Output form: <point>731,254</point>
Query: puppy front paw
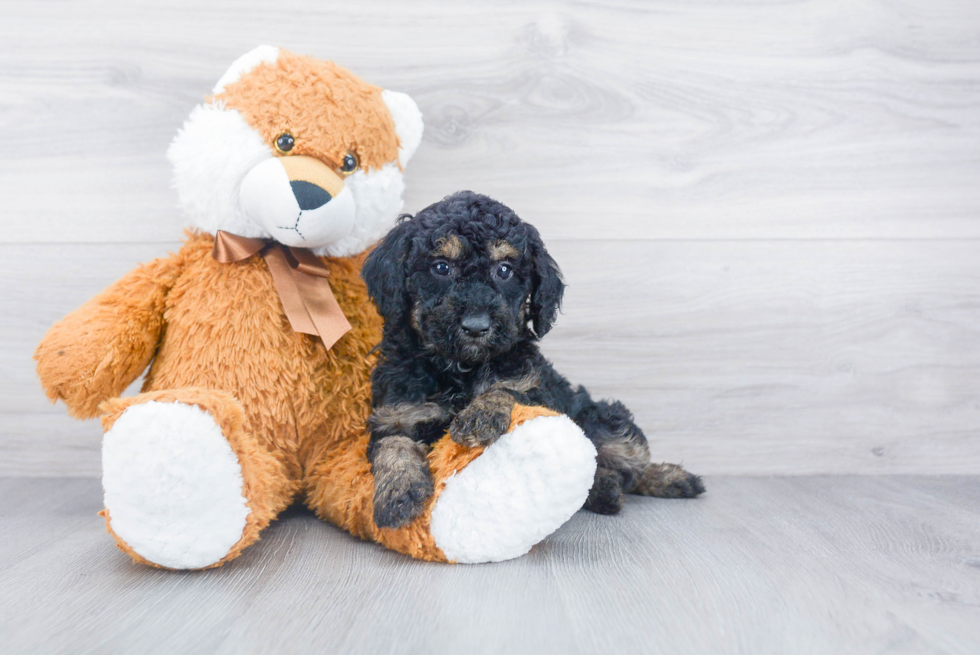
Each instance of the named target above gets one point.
<point>400,497</point>
<point>483,420</point>
<point>402,483</point>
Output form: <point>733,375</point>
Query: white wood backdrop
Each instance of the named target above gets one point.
<point>768,212</point>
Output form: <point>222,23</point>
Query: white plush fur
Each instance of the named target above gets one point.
<point>173,485</point>
<point>216,149</point>
<point>408,123</point>
<point>267,198</point>
<point>264,54</point>
<point>523,488</point>
<point>377,201</point>
<point>211,155</point>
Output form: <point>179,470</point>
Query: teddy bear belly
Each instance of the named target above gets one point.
<point>230,333</point>
<point>298,399</point>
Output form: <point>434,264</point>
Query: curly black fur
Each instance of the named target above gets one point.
<point>466,289</point>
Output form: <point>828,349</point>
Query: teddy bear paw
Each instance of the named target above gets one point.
<point>173,485</point>
<point>521,489</point>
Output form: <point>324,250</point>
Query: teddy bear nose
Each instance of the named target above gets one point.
<point>477,325</point>
<point>309,195</point>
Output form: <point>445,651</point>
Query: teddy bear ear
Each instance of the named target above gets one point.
<point>264,54</point>
<point>408,123</point>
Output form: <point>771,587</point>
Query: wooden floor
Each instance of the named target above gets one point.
<point>844,564</point>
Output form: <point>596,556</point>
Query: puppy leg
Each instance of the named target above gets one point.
<point>621,445</point>
<point>624,459</point>
<point>402,484</point>
<point>668,481</point>
<point>606,495</point>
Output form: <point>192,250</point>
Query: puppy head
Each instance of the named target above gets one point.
<point>298,150</point>
<point>468,276</point>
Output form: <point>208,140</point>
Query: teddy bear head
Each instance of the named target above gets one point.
<point>298,150</point>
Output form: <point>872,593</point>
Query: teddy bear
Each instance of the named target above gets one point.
<point>258,336</point>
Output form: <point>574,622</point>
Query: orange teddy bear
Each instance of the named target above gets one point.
<point>258,337</point>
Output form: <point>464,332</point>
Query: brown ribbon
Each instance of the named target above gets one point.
<point>301,282</point>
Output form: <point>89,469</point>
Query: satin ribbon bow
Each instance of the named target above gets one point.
<point>300,279</point>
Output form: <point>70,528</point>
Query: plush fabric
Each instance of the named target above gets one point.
<point>185,530</point>
<point>292,412</point>
<point>330,113</point>
<point>239,414</point>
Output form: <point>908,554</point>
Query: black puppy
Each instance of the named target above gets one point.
<point>466,289</point>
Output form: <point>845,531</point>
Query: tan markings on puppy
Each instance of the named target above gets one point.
<point>449,247</point>
<point>625,453</point>
<point>417,317</point>
<point>326,108</point>
<point>403,417</point>
<point>523,384</point>
<point>396,453</point>
<point>502,250</point>
<point>483,420</point>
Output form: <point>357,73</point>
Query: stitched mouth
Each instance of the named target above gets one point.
<point>295,226</point>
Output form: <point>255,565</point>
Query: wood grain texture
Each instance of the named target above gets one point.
<point>835,565</point>
<point>767,211</point>
<point>736,357</point>
<point>744,119</point>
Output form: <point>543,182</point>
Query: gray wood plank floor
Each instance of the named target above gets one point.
<point>842,564</point>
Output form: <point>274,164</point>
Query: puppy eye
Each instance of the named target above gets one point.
<point>441,269</point>
<point>349,164</point>
<point>285,143</point>
<point>504,271</point>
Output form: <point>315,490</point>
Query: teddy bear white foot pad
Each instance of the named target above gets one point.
<point>521,489</point>
<point>173,485</point>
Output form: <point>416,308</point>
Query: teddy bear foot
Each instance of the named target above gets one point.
<point>173,485</point>
<point>520,490</point>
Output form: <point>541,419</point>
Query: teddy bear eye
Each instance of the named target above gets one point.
<point>504,271</point>
<point>349,164</point>
<point>285,142</point>
<point>441,269</point>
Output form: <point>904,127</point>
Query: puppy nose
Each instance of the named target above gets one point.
<point>309,195</point>
<point>477,325</point>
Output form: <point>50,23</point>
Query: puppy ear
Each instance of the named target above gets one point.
<point>384,271</point>
<point>547,290</point>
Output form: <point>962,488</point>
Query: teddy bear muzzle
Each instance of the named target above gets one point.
<point>299,201</point>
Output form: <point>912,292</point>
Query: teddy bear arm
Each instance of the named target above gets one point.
<point>96,351</point>
<point>490,503</point>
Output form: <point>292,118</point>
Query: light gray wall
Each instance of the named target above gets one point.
<point>768,213</point>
